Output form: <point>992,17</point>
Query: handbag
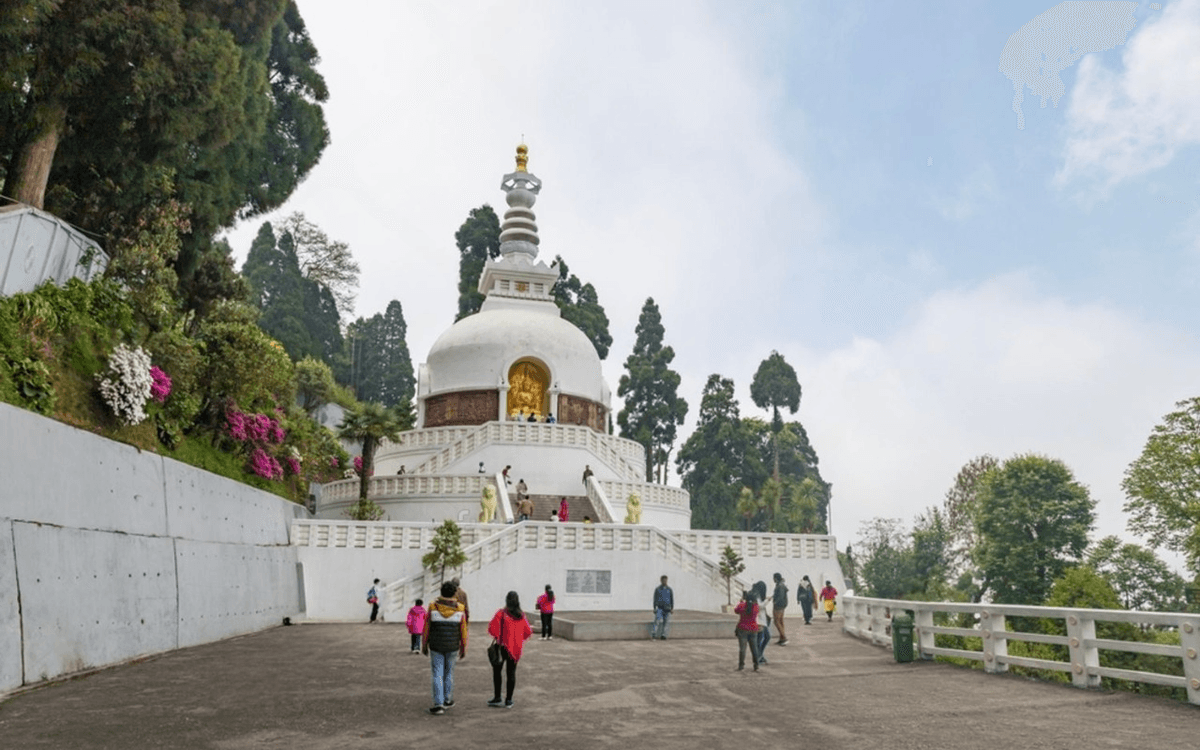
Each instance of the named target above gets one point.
<point>494,652</point>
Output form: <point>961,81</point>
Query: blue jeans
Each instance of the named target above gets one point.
<point>442,666</point>
<point>662,623</point>
<point>764,638</point>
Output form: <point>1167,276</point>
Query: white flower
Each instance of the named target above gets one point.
<point>127,387</point>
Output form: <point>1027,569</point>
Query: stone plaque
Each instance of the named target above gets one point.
<point>589,581</point>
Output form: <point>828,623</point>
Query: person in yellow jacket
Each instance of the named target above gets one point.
<point>445,642</point>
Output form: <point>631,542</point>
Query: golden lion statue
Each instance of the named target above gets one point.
<point>487,504</point>
<point>633,509</point>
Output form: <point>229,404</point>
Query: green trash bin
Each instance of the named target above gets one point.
<point>902,637</point>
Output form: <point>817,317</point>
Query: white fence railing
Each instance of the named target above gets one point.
<point>613,451</point>
<point>508,540</point>
<point>870,619</point>
<point>452,485</point>
<point>380,534</point>
<point>649,493</point>
<point>756,544</point>
<point>604,510</point>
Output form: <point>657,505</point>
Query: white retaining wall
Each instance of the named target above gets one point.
<point>108,553</point>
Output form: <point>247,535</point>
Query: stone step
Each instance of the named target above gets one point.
<point>578,505</point>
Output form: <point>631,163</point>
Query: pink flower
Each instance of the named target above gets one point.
<point>294,464</point>
<point>258,427</point>
<point>161,387</point>
<point>235,425</point>
<point>265,465</point>
<point>277,432</point>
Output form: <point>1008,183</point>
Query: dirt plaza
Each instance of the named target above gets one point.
<point>323,686</point>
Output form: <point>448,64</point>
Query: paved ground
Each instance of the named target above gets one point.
<point>314,687</point>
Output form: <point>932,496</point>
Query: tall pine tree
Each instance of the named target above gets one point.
<point>478,242</point>
<point>653,409</point>
<point>382,368</point>
<point>580,306</point>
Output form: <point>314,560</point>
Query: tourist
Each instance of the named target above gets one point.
<point>373,599</point>
<point>664,604</point>
<point>779,603</point>
<point>401,472</point>
<point>587,519</point>
<point>805,596</point>
<point>564,511</point>
<point>545,605</point>
<point>416,625</point>
<point>587,472</point>
<point>460,594</point>
<point>481,471</point>
<point>763,636</point>
<point>504,473</point>
<point>747,628</point>
<point>444,642</point>
<point>522,489</point>
<point>510,629</point>
<point>550,419</point>
<point>554,516</point>
<point>525,509</point>
<point>829,597</point>
<point>521,416</point>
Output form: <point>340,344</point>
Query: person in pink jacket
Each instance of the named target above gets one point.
<point>416,625</point>
<point>510,629</point>
<point>545,605</point>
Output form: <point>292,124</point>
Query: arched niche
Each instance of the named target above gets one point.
<point>528,388</point>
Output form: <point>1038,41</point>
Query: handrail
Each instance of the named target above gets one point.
<point>870,619</point>
<point>650,493</point>
<point>506,510</point>
<point>750,544</point>
<point>599,501</point>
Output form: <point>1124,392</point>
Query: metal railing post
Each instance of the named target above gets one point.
<point>1080,630</point>
<point>1189,643</point>
<point>925,634</point>
<point>995,642</point>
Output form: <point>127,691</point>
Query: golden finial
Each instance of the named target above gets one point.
<point>522,157</point>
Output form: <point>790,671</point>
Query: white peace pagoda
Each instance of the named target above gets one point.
<point>513,385</point>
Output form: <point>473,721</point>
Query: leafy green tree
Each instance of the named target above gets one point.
<point>886,562</point>
<point>478,242</point>
<point>580,306</point>
<point>803,507</point>
<point>372,424</point>
<point>1162,486</point>
<point>380,367</point>
<point>1140,579</point>
<point>711,460</point>
<point>748,506</point>
<point>215,280</point>
<point>775,385</point>
<point>314,384</point>
<point>653,409</point>
<point>242,365</point>
<point>445,549</point>
<point>1032,518</point>
<point>106,95</point>
<point>959,511</point>
<point>730,566</point>
<point>797,462</point>
<point>300,312</point>
<point>327,262</point>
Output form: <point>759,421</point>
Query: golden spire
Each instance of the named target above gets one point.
<point>522,157</point>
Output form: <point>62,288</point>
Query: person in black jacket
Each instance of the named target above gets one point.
<point>805,596</point>
<point>445,642</point>
<point>779,602</point>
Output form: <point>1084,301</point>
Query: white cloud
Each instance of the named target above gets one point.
<point>992,369</point>
<point>977,189</point>
<point>1123,124</point>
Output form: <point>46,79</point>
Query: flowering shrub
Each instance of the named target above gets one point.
<point>128,385</point>
<point>161,387</point>
<point>358,464</point>
<point>265,465</point>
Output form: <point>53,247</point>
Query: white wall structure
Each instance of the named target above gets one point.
<point>36,247</point>
<point>108,553</point>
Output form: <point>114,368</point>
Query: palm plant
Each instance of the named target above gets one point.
<point>372,424</point>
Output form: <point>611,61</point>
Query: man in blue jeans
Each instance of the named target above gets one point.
<point>664,603</point>
<point>445,642</point>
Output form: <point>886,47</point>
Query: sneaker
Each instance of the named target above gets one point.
<point>496,703</point>
<point>437,710</point>
<point>782,643</point>
<point>741,667</point>
<point>508,704</point>
<point>448,704</point>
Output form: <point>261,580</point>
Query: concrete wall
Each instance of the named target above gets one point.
<point>108,553</point>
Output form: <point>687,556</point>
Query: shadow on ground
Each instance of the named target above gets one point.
<point>312,687</point>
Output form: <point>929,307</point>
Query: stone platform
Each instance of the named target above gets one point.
<point>635,625</point>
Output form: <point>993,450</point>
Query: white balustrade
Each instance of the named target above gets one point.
<point>649,493</point>
<point>870,619</point>
<point>757,544</point>
<point>497,542</point>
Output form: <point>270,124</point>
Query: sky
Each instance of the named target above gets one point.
<point>844,183</point>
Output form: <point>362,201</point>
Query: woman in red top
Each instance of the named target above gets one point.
<point>747,628</point>
<point>510,628</point>
<point>545,605</point>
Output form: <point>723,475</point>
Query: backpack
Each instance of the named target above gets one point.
<point>371,596</point>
